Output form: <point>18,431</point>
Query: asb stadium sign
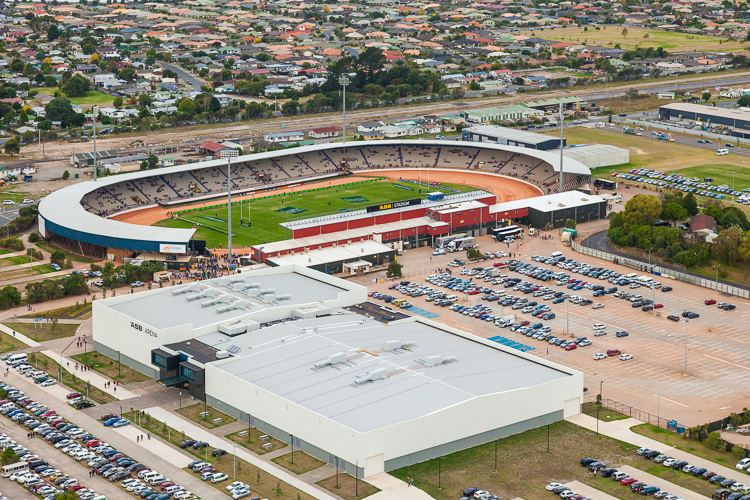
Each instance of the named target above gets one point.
<point>392,205</point>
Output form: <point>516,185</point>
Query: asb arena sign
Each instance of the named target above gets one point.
<point>394,204</point>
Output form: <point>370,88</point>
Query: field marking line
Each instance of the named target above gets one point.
<point>671,401</point>
<point>727,362</point>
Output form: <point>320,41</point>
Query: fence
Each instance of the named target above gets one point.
<point>664,271</point>
<point>590,409</point>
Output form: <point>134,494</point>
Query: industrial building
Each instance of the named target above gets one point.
<point>553,210</point>
<point>510,137</point>
<point>737,121</point>
<point>512,113</point>
<point>301,356</point>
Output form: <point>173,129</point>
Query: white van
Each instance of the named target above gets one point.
<point>16,357</point>
<point>722,152</point>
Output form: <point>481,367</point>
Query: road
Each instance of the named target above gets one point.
<point>185,76</point>
<point>259,127</point>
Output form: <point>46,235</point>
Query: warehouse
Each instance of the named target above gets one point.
<point>299,355</point>
<point>553,210</point>
<point>512,113</point>
<point>598,155</point>
<point>353,258</point>
<point>510,137</point>
<point>736,120</point>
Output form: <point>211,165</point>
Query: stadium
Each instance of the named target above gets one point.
<point>113,216</point>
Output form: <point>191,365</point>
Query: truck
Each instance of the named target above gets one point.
<point>461,244</point>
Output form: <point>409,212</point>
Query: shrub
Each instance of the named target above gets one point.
<point>35,237</point>
<point>12,244</point>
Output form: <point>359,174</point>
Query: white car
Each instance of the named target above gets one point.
<point>438,251</point>
<point>599,326</point>
<point>598,305</point>
<point>600,333</point>
<point>219,477</point>
<point>9,202</point>
<point>738,487</point>
<point>137,284</point>
<point>600,355</point>
<point>27,201</point>
<point>626,357</point>
<point>236,484</point>
<point>48,382</point>
<point>552,486</point>
<point>743,464</point>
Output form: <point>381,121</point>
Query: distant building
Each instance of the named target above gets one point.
<point>736,120</point>
<point>324,132</point>
<point>702,221</point>
<point>292,136</point>
<point>510,137</point>
<point>501,114</point>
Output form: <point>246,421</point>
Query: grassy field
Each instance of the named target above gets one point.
<point>92,97</point>
<point>646,152</point>
<point>41,332</point>
<point>8,343</point>
<point>12,194</point>
<point>301,463</point>
<point>193,412</point>
<point>14,261</point>
<point>43,362</point>
<point>262,483</point>
<point>721,173</point>
<point>78,311</point>
<point>109,367</point>
<point>639,37</point>
<point>697,448</point>
<point>605,414</point>
<point>348,487</point>
<point>47,246</point>
<point>267,213</point>
<point>251,440</point>
<point>524,467</point>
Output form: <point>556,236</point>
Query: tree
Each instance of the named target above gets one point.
<point>60,109</point>
<point>117,102</point>
<point>641,209</point>
<point>12,146</point>
<point>706,95</point>
<point>743,251</point>
<point>76,86</point>
<point>571,223</point>
<point>733,216</point>
<point>9,297</point>
<point>9,456</point>
<point>58,258</point>
<point>690,204</point>
<point>726,245</point>
<point>673,211</point>
<point>394,269</point>
<point>150,163</point>
<point>371,61</point>
<point>65,175</point>
<point>53,33</point>
<point>743,101</point>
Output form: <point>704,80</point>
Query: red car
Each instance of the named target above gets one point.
<point>473,292</point>
<point>613,352</point>
<point>73,395</point>
<point>571,347</point>
<point>500,264</point>
<point>658,306</point>
<point>628,481</point>
<point>524,322</point>
<point>709,302</point>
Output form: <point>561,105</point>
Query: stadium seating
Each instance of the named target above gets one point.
<point>247,175</point>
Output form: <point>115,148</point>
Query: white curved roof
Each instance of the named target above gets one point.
<point>63,207</point>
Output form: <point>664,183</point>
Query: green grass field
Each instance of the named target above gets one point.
<point>721,174</point>
<point>92,97</point>
<point>639,37</point>
<point>268,212</point>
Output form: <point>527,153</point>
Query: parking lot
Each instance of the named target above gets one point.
<point>718,343</point>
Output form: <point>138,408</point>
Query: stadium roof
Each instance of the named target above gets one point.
<point>330,255</point>
<point>323,363</point>
<point>512,134</point>
<point>62,208</point>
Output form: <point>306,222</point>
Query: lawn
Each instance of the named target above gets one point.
<point>110,367</point>
<point>524,466</point>
<point>44,331</point>
<point>250,439</point>
<point>10,194</point>
<point>348,487</point>
<point>647,152</point>
<point>23,272</point>
<point>193,412</point>
<point>77,311</point>
<point>721,173</point>
<point>605,414</point>
<point>697,448</point>
<point>14,261</point>
<point>44,362</point>
<point>266,213</point>
<point>299,463</point>
<point>8,343</point>
<point>261,482</point>
<point>49,247</point>
<point>92,97</point>
<point>609,36</point>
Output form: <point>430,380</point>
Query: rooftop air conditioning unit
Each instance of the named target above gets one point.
<point>284,296</point>
<point>371,376</point>
<point>196,296</point>
<point>335,358</point>
<point>267,291</point>
<point>436,360</point>
<point>232,329</point>
<point>222,355</point>
<point>213,300</point>
<point>186,289</point>
<point>392,345</point>
<point>229,307</point>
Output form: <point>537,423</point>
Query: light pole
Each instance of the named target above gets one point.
<point>601,390</point>
<point>95,110</point>
<point>344,80</point>
<point>562,142</point>
<point>717,276</point>
<point>657,410</point>
<point>229,155</point>
<point>234,462</point>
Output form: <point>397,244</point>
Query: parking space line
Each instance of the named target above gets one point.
<point>727,362</point>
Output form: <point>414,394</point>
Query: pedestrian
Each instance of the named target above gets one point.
<point>115,389</point>
<point>149,436</point>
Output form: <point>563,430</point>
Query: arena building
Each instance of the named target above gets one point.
<point>80,216</point>
<point>303,356</point>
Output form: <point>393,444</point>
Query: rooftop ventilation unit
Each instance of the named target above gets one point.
<point>371,376</point>
<point>230,307</point>
<point>335,358</point>
<point>222,355</point>
<point>232,329</point>
<point>266,291</point>
<point>214,300</point>
<point>392,345</point>
<point>234,349</point>
<point>284,296</point>
<point>187,289</point>
<point>200,295</point>
<point>437,360</point>
<point>237,279</point>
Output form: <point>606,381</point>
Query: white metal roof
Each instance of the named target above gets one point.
<point>550,202</point>
<point>512,134</point>
<point>330,255</point>
<point>731,113</point>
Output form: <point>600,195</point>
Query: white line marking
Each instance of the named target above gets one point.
<point>727,362</point>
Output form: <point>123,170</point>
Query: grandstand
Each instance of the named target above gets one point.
<point>70,207</point>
